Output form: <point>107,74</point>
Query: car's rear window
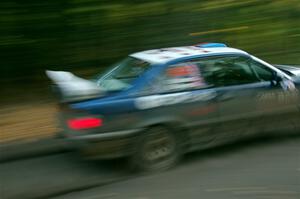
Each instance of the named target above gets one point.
<point>122,75</point>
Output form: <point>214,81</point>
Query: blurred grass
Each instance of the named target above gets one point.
<point>75,34</point>
<point>86,36</point>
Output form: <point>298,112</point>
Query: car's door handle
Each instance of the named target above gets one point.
<point>226,97</point>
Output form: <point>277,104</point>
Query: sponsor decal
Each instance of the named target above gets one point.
<point>185,76</point>
<point>174,50</point>
<point>154,101</point>
<point>183,70</point>
<point>180,71</point>
<point>287,95</point>
<point>278,97</point>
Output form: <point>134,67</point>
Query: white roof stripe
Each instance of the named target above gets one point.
<point>164,55</point>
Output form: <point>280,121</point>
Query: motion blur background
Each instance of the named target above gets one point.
<point>86,36</point>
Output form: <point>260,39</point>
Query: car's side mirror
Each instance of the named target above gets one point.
<point>276,79</point>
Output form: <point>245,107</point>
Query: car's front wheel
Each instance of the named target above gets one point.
<point>157,149</point>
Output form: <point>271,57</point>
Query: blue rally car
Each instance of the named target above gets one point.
<point>156,105</point>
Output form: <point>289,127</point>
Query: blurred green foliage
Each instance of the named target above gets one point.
<point>88,35</point>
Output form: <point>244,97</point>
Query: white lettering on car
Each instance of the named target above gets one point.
<point>281,97</point>
<point>154,101</point>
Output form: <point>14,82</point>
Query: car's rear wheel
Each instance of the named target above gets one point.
<point>157,149</point>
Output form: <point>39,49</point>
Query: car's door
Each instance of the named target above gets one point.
<point>181,94</point>
<point>278,103</point>
<point>251,99</point>
<point>236,85</point>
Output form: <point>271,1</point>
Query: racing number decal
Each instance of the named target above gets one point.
<point>184,76</point>
<point>285,96</point>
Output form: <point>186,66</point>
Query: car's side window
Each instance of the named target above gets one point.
<point>182,77</point>
<point>205,73</point>
<point>262,72</point>
<point>226,71</point>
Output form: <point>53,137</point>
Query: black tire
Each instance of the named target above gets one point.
<point>156,150</point>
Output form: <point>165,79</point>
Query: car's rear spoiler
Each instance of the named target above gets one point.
<point>73,88</point>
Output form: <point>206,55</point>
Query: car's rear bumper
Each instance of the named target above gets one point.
<point>105,145</point>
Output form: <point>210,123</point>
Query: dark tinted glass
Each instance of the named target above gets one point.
<point>263,73</point>
<point>226,71</point>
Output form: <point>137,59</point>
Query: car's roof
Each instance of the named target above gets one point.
<point>164,55</point>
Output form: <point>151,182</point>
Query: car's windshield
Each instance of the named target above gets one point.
<point>123,74</point>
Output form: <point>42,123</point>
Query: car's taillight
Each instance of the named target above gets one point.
<point>84,123</point>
